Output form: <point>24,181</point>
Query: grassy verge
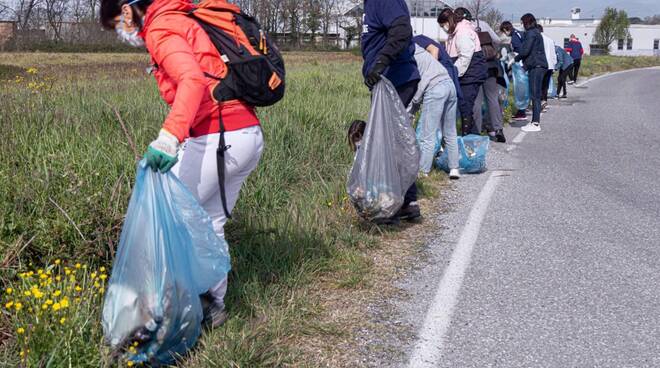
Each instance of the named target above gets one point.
<point>66,177</point>
<point>594,65</point>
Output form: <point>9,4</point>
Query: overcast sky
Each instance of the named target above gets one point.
<point>562,8</point>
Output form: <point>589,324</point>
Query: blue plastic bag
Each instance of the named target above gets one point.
<point>552,91</point>
<point>473,150</point>
<point>521,92</point>
<point>168,256</point>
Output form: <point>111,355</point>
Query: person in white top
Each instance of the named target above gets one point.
<point>551,57</point>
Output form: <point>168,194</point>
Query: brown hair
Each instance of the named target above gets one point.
<point>529,21</point>
<point>506,27</point>
<point>448,16</point>
<point>355,133</point>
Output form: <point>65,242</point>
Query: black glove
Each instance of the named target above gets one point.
<point>375,74</point>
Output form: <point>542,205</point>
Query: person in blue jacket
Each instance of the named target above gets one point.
<point>576,50</point>
<point>388,50</point>
<point>516,36</point>
<point>534,60</point>
<point>564,65</point>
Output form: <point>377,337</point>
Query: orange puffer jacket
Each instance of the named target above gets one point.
<point>182,52</point>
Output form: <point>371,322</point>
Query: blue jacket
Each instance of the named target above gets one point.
<point>532,52</point>
<point>564,60</point>
<point>576,50</point>
<point>443,58</point>
<point>516,40</point>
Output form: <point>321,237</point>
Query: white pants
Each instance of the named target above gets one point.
<point>197,169</point>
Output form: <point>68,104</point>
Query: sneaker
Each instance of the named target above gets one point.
<point>556,97</point>
<point>544,105</point>
<point>531,127</point>
<point>214,314</point>
<point>570,82</point>
<point>499,136</point>
<point>454,174</point>
<point>521,115</point>
<point>564,96</point>
<point>410,212</point>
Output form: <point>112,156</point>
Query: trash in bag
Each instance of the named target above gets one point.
<point>503,92</point>
<point>521,92</point>
<point>387,162</point>
<point>473,150</point>
<point>168,256</point>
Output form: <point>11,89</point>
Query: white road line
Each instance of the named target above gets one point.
<point>519,138</point>
<point>428,351</point>
<point>614,73</point>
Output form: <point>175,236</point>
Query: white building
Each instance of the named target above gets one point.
<point>644,39</point>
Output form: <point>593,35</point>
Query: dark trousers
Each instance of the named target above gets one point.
<point>406,93</point>
<point>576,69</point>
<point>536,77</point>
<point>466,105</point>
<point>561,81</point>
<point>546,85</point>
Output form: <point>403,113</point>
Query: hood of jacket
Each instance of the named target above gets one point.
<point>159,7</point>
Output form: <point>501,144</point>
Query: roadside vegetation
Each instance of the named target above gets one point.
<point>66,177</point>
<point>595,65</point>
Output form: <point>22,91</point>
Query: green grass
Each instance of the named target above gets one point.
<point>594,65</point>
<point>67,170</point>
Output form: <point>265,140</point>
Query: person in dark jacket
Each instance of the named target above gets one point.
<point>388,50</point>
<point>564,66</point>
<point>575,49</point>
<point>516,44</point>
<point>516,36</point>
<point>439,51</point>
<point>534,60</point>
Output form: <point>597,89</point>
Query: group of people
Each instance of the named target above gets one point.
<point>443,82</point>
<point>452,81</point>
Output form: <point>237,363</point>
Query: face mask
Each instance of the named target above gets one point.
<point>445,27</point>
<point>131,38</point>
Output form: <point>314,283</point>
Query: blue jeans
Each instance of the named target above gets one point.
<point>438,112</point>
<point>536,77</point>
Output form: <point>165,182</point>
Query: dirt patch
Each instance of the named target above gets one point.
<point>358,326</point>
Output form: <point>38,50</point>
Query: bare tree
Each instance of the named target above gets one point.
<point>55,11</point>
<point>328,16</point>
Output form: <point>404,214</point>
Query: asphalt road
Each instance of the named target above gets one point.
<point>565,269</point>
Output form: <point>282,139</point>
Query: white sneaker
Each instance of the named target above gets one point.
<point>454,174</point>
<point>531,127</point>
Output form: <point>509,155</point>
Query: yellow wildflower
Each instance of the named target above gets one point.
<point>93,275</point>
<point>32,70</point>
<point>78,289</point>
<point>49,302</point>
<point>18,306</point>
<point>20,331</point>
<point>67,271</point>
<point>78,265</point>
<point>22,353</point>
<point>62,320</point>
<point>44,306</point>
<point>130,364</point>
<point>27,293</point>
<point>97,285</point>
<point>57,293</point>
<point>30,273</point>
<point>43,276</point>
<point>102,269</point>
<point>58,278</point>
<point>64,302</point>
<point>57,306</point>
<point>57,261</point>
<point>103,277</point>
<point>40,271</point>
<point>9,305</point>
<point>9,291</point>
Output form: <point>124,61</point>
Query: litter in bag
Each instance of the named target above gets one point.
<point>387,162</point>
<point>504,92</point>
<point>168,256</point>
<point>521,92</point>
<point>473,150</point>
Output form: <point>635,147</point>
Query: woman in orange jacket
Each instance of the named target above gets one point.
<point>183,55</point>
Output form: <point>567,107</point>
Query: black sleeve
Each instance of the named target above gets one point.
<point>399,36</point>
